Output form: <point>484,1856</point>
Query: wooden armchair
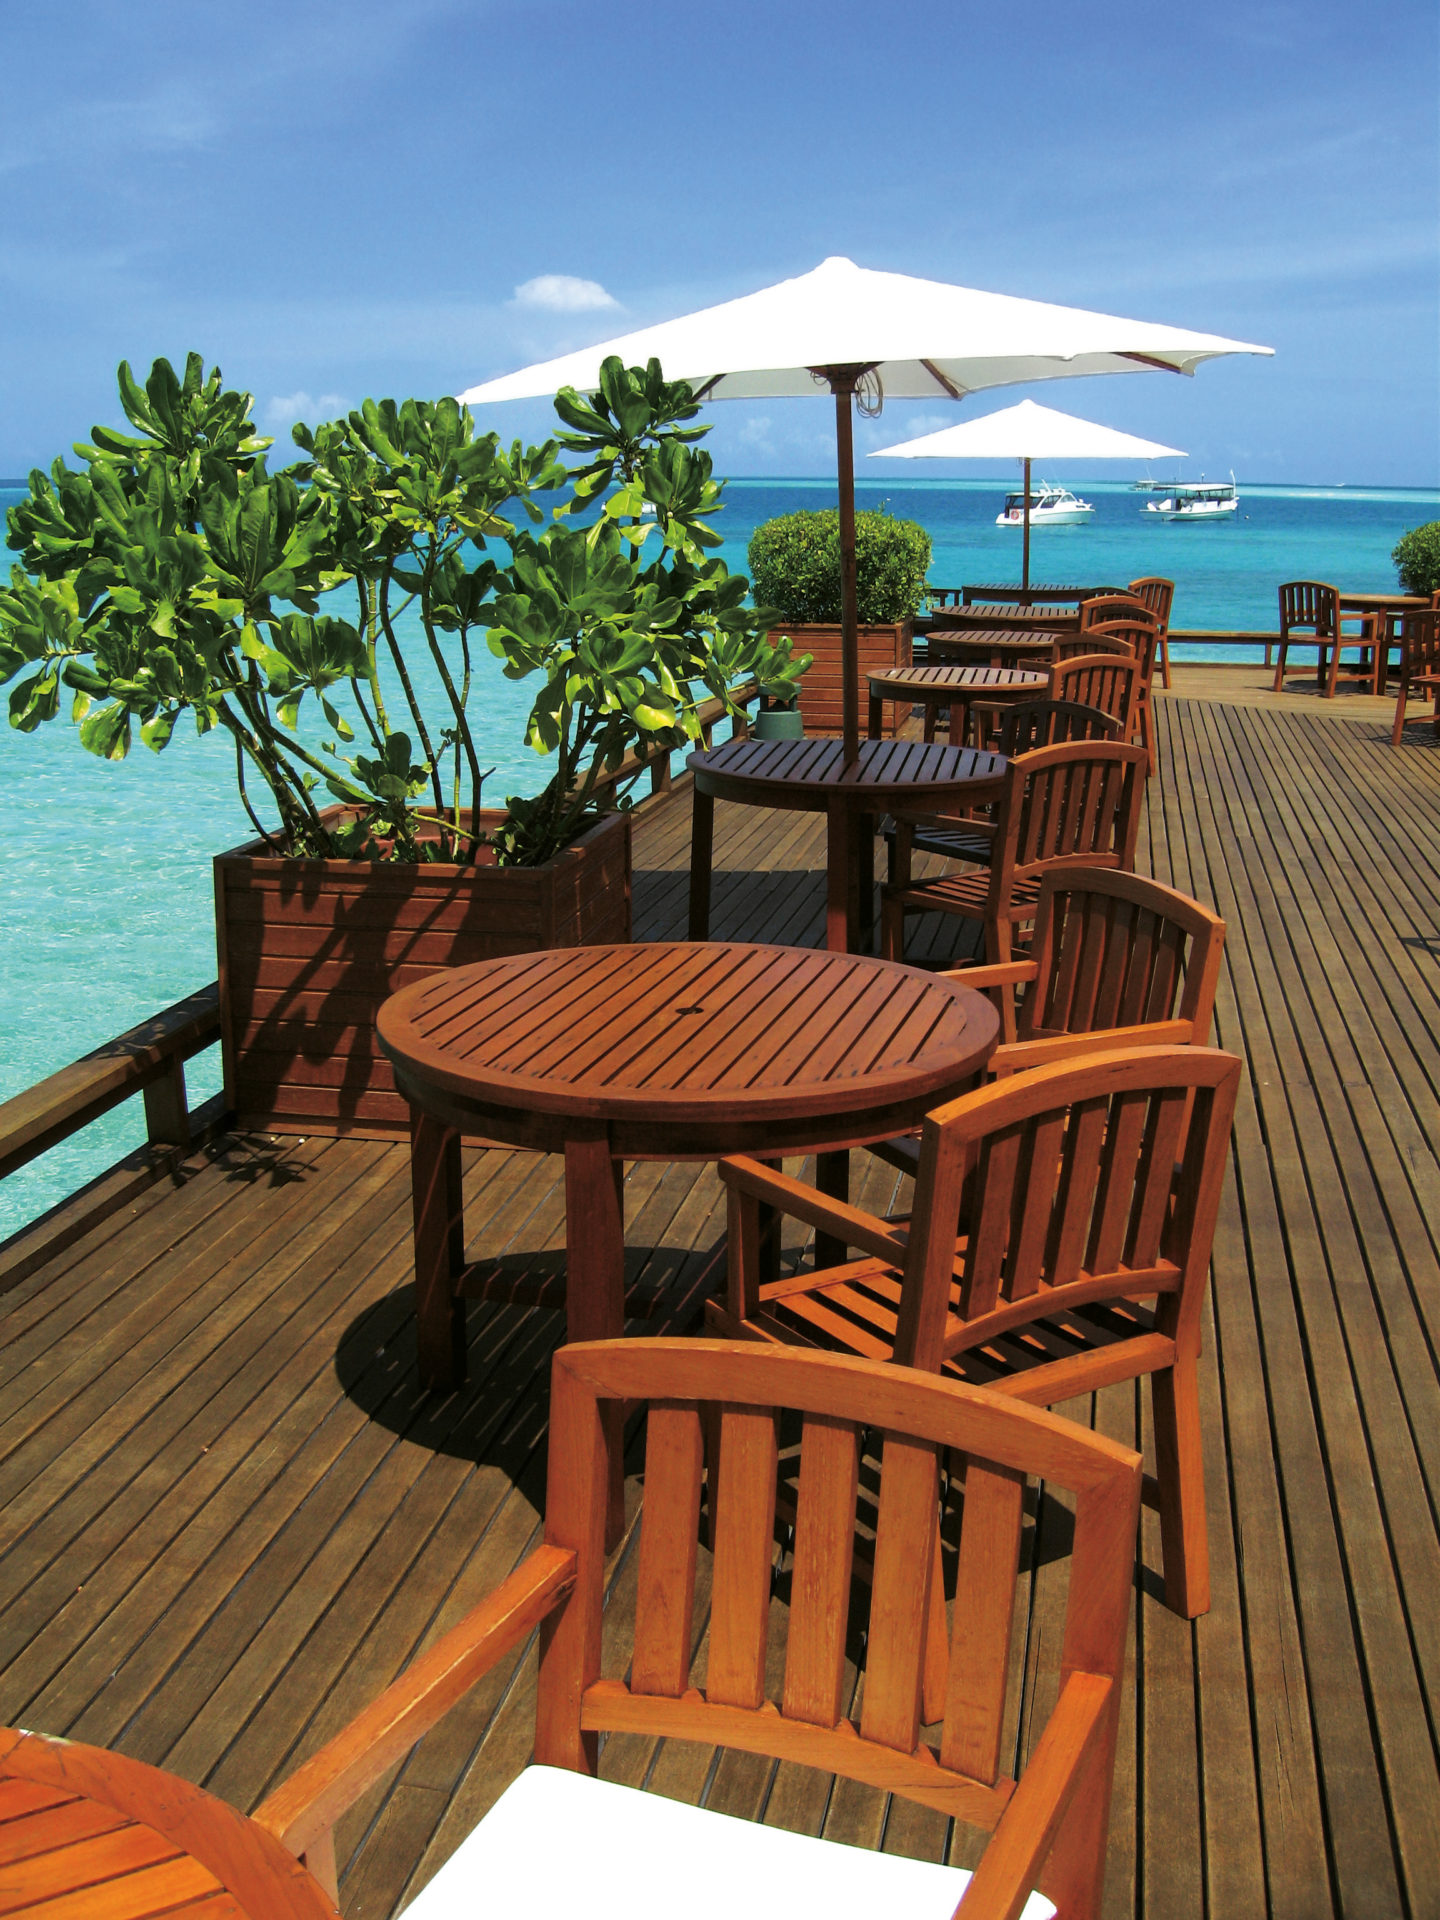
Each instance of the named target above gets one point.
<point>558,1832</point>
<point>1106,677</point>
<point>1142,636</point>
<point>1110,681</point>
<point>1116,960</point>
<point>1157,596</point>
<point>1048,1205</point>
<point>1072,805</point>
<point>1023,727</point>
<point>1068,646</point>
<point>1310,611</point>
<point>1419,666</point>
<point>1115,609</point>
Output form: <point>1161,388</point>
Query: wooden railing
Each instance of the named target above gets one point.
<point>709,713</point>
<point>149,1060</point>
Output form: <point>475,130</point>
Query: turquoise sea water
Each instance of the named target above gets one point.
<point>106,903</point>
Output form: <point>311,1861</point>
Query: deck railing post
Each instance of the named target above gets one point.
<point>167,1112</point>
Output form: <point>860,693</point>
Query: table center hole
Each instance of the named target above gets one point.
<point>689,1009</point>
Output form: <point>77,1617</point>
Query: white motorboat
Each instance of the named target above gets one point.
<point>1050,506</point>
<point>1203,500</point>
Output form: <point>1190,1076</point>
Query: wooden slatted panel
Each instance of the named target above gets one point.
<point>820,1571</point>
<point>1085,1142</point>
<point>1032,1202</point>
<point>1163,1135</point>
<point>980,1667</point>
<point>744,1556</point>
<point>900,1595</point>
<point>1115,1189</point>
<point>669,1535</point>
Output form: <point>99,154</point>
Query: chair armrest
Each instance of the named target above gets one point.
<point>835,1217</point>
<point>1000,973</point>
<point>1017,1849</point>
<point>301,1811</point>
<point>1016,1055</point>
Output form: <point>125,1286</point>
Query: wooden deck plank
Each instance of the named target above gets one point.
<point>232,1517</point>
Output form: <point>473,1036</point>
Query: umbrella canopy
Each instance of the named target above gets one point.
<point>852,329</point>
<point>1027,432</point>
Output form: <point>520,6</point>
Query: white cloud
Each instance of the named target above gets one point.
<point>563,293</point>
<point>286,408</point>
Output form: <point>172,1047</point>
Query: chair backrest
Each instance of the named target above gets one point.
<point>1116,949</point>
<point>1419,642</point>
<point>1111,608</point>
<point>745,1390</point>
<point>1067,1182</point>
<point>1041,723</point>
<point>1110,681</point>
<point>1069,645</point>
<point>1309,605</point>
<point>1143,640</point>
<point>1157,596</point>
<point>1074,805</point>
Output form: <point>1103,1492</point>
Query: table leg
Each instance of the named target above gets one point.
<point>595,1278</point>
<point>876,725</point>
<point>702,847</point>
<point>863,855</point>
<point>439,1251</point>
<point>832,1177</point>
<point>838,838</point>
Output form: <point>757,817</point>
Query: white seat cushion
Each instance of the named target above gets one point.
<point>560,1846</point>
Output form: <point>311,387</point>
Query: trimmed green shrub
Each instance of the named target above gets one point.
<point>1417,558</point>
<point>795,566</point>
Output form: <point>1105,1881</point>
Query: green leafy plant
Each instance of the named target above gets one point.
<point>175,574</point>
<point>795,565</point>
<point>1417,558</point>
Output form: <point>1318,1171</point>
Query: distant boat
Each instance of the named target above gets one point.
<point>1204,500</point>
<point>1050,506</point>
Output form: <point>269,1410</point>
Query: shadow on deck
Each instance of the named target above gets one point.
<point>228,1516</point>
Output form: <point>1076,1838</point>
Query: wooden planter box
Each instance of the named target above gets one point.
<point>309,948</point>
<point>820,688</point>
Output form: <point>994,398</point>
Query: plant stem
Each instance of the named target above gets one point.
<point>399,660</point>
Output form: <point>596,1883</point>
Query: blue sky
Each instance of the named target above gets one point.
<point>333,200</point>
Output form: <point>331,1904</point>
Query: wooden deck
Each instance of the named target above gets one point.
<point>228,1516</point>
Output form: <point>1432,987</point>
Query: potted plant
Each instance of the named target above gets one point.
<point>795,566</point>
<point>175,574</point>
<point>1417,558</point>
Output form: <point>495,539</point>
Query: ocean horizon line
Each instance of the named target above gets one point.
<point>1419,492</point>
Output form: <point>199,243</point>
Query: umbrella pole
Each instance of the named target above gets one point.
<point>849,612</point>
<point>1025,549</point>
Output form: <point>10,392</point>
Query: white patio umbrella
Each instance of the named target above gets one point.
<point>859,332</point>
<point>1027,432</point>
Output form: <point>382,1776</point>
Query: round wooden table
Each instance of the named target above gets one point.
<point>948,686</point>
<point>813,776</point>
<point>996,646</point>
<point>86,1832</point>
<point>665,1051</point>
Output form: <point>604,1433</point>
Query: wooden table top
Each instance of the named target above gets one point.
<point>679,1034</point>
<point>92,1834</point>
<point>905,682</point>
<point>807,775</point>
<point>1020,595</point>
<point>1018,640</point>
<point>1385,602</point>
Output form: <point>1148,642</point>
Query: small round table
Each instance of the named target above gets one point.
<point>85,1831</point>
<point>948,686</point>
<point>996,646</point>
<point>656,1051</point>
<point>813,776</point>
